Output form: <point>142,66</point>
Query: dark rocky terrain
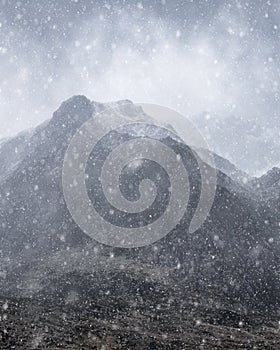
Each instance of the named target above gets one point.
<point>216,289</point>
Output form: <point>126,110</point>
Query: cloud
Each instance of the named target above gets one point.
<point>225,64</point>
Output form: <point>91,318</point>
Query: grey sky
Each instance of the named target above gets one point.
<point>216,61</point>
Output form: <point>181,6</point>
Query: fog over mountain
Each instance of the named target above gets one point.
<point>215,61</point>
<point>120,226</point>
<point>59,287</point>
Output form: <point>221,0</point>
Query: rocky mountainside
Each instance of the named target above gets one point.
<point>267,188</point>
<point>226,274</point>
<point>269,183</point>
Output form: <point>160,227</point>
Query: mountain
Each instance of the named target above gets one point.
<point>267,188</point>
<point>251,146</point>
<point>268,182</point>
<point>226,167</point>
<point>226,274</point>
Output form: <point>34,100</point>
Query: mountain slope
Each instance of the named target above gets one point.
<point>226,272</point>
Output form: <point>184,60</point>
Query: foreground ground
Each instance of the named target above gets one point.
<point>30,324</point>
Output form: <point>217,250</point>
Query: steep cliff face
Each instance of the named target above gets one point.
<point>232,259</point>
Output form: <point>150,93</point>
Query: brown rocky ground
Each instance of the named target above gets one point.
<point>100,303</point>
<point>30,324</point>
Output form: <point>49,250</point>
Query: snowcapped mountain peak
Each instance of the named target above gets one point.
<point>75,110</point>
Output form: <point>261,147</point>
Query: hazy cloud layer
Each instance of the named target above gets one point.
<point>216,61</point>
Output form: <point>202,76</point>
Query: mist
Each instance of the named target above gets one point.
<point>217,64</point>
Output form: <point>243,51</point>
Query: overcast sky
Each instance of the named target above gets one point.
<point>214,61</point>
